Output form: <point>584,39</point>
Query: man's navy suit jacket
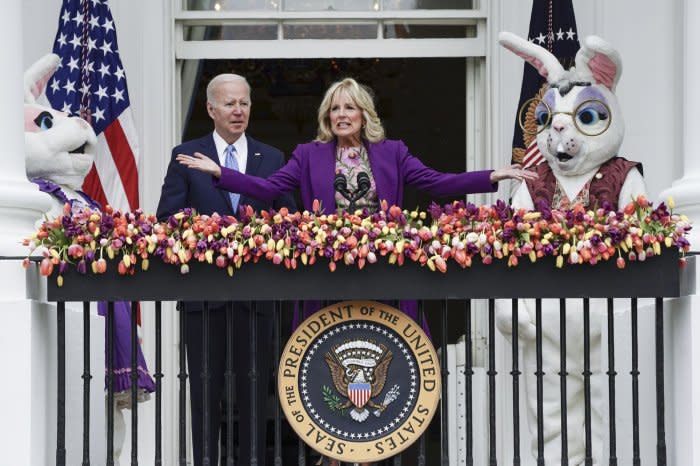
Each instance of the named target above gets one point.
<point>184,187</point>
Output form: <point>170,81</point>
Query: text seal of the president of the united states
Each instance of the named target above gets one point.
<point>359,381</point>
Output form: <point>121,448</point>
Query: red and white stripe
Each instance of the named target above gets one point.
<point>359,396</point>
<point>533,156</point>
<point>114,177</point>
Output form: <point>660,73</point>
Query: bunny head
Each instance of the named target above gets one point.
<point>58,147</point>
<point>578,118</point>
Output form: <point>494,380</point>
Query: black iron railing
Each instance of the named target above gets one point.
<point>658,278</point>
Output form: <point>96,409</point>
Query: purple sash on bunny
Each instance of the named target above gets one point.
<point>56,191</point>
<point>122,319</point>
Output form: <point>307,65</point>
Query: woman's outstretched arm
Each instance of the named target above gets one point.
<point>268,189</point>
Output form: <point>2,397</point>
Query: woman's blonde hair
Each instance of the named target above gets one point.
<point>372,129</point>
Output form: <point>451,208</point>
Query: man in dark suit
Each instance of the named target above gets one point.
<point>228,105</point>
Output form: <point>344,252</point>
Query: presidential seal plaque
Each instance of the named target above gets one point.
<point>359,381</point>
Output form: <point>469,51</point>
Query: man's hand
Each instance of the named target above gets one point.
<point>515,172</point>
<point>201,162</point>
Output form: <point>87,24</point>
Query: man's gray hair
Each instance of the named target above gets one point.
<point>221,79</point>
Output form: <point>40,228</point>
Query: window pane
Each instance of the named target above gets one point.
<point>428,4</point>
<point>331,5</point>
<point>427,31</point>
<point>235,5</point>
<point>330,31</point>
<point>257,32</point>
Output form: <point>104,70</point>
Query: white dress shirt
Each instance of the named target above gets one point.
<point>241,153</point>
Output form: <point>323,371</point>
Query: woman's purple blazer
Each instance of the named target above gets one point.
<point>312,170</point>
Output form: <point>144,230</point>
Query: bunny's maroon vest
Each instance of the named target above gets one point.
<point>605,185</point>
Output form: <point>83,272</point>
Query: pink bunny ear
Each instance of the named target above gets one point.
<point>544,62</point>
<point>38,87</point>
<point>539,66</point>
<point>604,70</point>
<point>38,75</point>
<point>598,60</point>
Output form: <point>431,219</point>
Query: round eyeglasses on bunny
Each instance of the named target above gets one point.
<point>591,117</point>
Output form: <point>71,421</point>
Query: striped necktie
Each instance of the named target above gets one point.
<point>231,162</point>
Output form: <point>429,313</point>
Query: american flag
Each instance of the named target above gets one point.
<point>90,82</point>
<point>552,26</point>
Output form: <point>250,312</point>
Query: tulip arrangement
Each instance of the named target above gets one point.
<point>459,232</point>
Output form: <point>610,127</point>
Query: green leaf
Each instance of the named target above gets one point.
<point>332,400</point>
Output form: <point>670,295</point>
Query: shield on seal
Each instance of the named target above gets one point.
<point>359,393</point>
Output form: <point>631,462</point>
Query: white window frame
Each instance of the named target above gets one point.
<point>330,48</point>
<point>474,50</point>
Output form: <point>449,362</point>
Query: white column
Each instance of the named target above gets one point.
<point>22,438</point>
<point>685,326</point>
<point>21,203</point>
<point>686,191</point>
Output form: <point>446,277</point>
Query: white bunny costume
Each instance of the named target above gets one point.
<point>59,154</point>
<point>59,148</point>
<point>579,132</point>
<point>575,157</point>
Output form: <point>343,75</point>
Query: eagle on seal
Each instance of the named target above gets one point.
<point>359,374</point>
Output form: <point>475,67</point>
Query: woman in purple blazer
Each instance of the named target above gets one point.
<point>351,142</point>
<point>352,166</point>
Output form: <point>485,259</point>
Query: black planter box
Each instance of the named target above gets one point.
<point>659,276</point>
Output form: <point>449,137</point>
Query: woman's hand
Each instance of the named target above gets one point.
<point>514,172</point>
<point>201,162</point>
